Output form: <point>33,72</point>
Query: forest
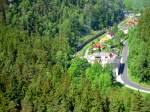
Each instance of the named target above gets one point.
<point>38,72</point>
<point>136,5</point>
<point>139,61</point>
<point>69,18</point>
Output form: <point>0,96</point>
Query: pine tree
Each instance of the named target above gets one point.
<point>137,103</point>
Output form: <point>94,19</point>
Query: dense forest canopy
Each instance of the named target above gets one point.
<point>136,5</point>
<point>68,18</point>
<point>37,70</point>
<point>139,40</point>
<point>34,78</point>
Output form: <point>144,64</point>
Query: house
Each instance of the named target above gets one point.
<point>132,22</point>
<point>97,45</point>
<point>129,24</point>
<point>110,35</point>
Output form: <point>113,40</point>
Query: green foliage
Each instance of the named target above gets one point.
<point>78,67</point>
<point>99,77</point>
<point>139,58</point>
<point>36,44</point>
<point>26,66</point>
<point>70,19</point>
<point>3,11</point>
<point>115,28</point>
<point>138,104</point>
<point>136,5</point>
<point>117,106</point>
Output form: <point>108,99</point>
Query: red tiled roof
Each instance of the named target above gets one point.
<point>97,45</point>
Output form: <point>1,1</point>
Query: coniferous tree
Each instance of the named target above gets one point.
<point>137,103</point>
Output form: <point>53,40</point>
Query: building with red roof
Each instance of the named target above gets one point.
<point>97,45</point>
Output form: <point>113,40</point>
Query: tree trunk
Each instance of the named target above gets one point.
<point>3,15</point>
<point>2,10</point>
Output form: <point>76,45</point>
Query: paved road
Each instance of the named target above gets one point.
<point>124,75</point>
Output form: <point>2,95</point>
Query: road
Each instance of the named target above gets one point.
<point>123,69</point>
<point>124,75</point>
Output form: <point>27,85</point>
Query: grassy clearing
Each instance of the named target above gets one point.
<point>82,52</point>
<point>87,37</point>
